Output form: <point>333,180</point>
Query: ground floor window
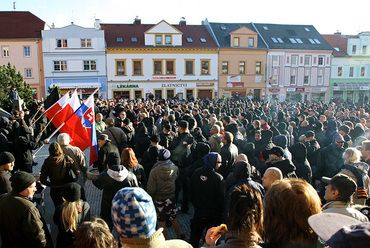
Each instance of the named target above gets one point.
<point>170,94</point>
<point>318,97</point>
<point>138,94</point>
<point>125,94</point>
<point>189,94</point>
<point>202,94</point>
<point>158,94</point>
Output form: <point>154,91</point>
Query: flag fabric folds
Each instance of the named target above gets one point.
<point>81,128</point>
<point>51,98</point>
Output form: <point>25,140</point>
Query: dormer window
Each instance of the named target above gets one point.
<point>236,42</point>
<point>250,42</point>
<point>307,29</point>
<point>317,41</point>
<point>134,40</point>
<point>168,39</point>
<point>119,39</point>
<point>203,40</point>
<point>265,28</point>
<point>189,40</point>
<point>158,40</point>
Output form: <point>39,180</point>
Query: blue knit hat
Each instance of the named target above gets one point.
<point>133,213</point>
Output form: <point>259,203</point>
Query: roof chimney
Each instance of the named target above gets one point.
<point>97,24</point>
<point>137,21</point>
<point>337,33</point>
<point>182,22</point>
<point>53,25</point>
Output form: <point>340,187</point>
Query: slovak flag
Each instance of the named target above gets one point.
<point>89,123</point>
<point>81,128</point>
<point>60,111</point>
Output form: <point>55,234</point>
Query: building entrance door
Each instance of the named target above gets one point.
<point>205,94</point>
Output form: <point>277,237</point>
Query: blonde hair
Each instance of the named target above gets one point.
<point>70,213</point>
<point>351,155</point>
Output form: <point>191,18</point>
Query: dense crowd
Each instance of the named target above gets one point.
<point>274,173</point>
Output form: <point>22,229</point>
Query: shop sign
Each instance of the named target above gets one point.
<point>164,77</point>
<point>124,86</point>
<point>174,85</point>
<point>205,84</point>
<point>300,89</point>
<point>274,90</point>
<point>365,88</point>
<point>290,89</point>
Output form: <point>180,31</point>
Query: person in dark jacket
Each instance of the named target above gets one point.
<point>263,142</point>
<point>115,134</point>
<point>24,145</point>
<point>110,181</point>
<point>142,140</point>
<point>207,196</point>
<point>228,153</point>
<point>276,159</point>
<point>21,224</point>
<point>70,214</point>
<point>166,136</point>
<point>6,166</point>
<point>330,159</point>
<point>105,147</point>
<point>150,156</point>
<point>312,147</point>
<point>54,170</point>
<point>201,150</point>
<point>129,130</point>
<point>299,159</point>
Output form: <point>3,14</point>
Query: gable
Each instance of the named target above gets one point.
<point>163,27</point>
<point>243,31</point>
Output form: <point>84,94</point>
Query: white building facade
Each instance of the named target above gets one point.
<point>74,58</point>
<point>163,61</point>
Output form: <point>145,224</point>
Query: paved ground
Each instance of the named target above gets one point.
<point>93,196</point>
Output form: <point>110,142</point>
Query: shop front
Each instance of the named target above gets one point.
<point>161,90</point>
<point>85,87</point>
<point>351,92</point>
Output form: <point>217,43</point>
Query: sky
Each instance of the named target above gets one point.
<point>328,16</point>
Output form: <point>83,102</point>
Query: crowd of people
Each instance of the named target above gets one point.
<point>261,168</point>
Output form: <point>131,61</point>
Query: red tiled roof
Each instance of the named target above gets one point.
<point>337,41</point>
<point>20,24</point>
<point>112,31</point>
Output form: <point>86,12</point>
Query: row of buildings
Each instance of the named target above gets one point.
<point>270,61</point>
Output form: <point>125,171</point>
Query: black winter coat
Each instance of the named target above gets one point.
<point>330,161</point>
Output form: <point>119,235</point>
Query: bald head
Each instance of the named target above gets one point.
<point>271,175</point>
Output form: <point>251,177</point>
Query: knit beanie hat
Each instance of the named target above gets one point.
<point>113,159</point>
<point>133,213</point>
<point>6,157</point>
<point>164,154</point>
<point>21,180</point>
<point>72,192</point>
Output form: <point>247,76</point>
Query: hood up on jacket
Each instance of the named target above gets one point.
<point>299,152</point>
<point>210,160</point>
<point>118,173</point>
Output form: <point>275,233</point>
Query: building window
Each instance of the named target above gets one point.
<point>225,67</point>
<point>320,80</point>
<point>204,67</point>
<point>258,68</point>
<point>85,43</point>
<point>364,50</point>
<point>120,67</point>
<point>170,67</point>
<point>236,42</point>
<point>157,67</point>
<point>60,65</point>
<point>362,72</point>
<point>294,59</point>
<point>314,60</point>
<point>28,73</point>
<point>5,51</point>
<point>89,65</point>
<point>354,48</point>
<point>189,67</point>
<point>307,60</point>
<point>340,71</point>
<point>275,60</point>
<point>287,59</point>
<point>306,80</point>
<point>137,68</point>
<point>62,43</point>
<point>158,40</point>
<point>250,42</point>
<point>242,67</point>
<point>351,69</point>
<point>292,79</point>
<point>168,39</point>
<point>27,51</point>
<point>321,60</point>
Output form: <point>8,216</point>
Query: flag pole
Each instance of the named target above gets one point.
<point>33,117</point>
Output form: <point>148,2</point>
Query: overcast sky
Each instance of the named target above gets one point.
<point>328,16</point>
